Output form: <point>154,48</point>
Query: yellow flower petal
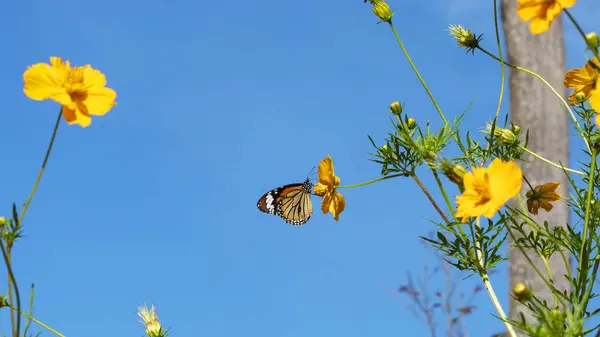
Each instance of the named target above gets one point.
<point>320,189</point>
<point>93,77</point>
<point>582,79</point>
<point>100,100</point>
<point>541,13</point>
<point>539,26</point>
<point>337,205</point>
<point>595,100</point>
<point>326,171</point>
<point>75,116</point>
<point>43,81</point>
<point>327,199</point>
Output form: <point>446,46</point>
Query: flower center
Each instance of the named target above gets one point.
<point>482,188</point>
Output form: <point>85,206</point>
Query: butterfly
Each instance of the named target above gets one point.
<point>290,202</point>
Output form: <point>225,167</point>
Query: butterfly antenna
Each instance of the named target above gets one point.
<point>312,172</point>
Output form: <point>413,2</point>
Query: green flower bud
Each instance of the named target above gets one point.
<point>592,40</point>
<point>383,11</point>
<point>516,129</point>
<point>522,292</point>
<point>580,97</point>
<point>411,123</point>
<point>396,108</point>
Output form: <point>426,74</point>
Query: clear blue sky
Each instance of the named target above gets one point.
<point>219,101</point>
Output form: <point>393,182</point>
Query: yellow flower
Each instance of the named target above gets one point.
<point>583,80</point>
<point>333,201</point>
<point>488,189</point>
<point>541,12</point>
<point>542,196</point>
<point>80,90</point>
<point>150,320</point>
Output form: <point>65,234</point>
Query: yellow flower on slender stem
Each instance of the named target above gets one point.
<point>488,189</point>
<point>542,196</point>
<point>80,90</point>
<point>583,80</point>
<point>541,13</point>
<point>333,201</point>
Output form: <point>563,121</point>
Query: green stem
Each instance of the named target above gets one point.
<point>522,250</point>
<point>490,289</point>
<point>534,74</point>
<point>41,172</point>
<point>431,200</point>
<point>443,191</point>
<point>414,68</point>
<point>11,296</point>
<point>28,322</point>
<point>580,30</point>
<point>586,222</point>
<point>550,162</point>
<point>372,181</point>
<point>437,107</point>
<point>12,283</point>
<point>502,75</point>
<point>38,322</point>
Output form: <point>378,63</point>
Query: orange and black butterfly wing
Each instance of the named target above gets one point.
<point>290,202</point>
<point>269,201</point>
<point>295,207</point>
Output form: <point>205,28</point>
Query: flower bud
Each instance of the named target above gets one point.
<point>505,136</point>
<point>383,11</point>
<point>580,97</point>
<point>2,221</point>
<point>411,123</point>
<point>454,172</point>
<point>592,40</point>
<point>516,129</point>
<point>4,301</point>
<point>522,292</point>
<point>396,108</point>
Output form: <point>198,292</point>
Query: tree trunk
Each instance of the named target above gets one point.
<point>533,106</point>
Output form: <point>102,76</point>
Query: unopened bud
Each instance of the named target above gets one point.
<point>522,292</point>
<point>580,97</point>
<point>516,129</point>
<point>411,123</point>
<point>396,108</point>
<point>383,11</point>
<point>592,40</point>
<point>2,221</point>
<point>505,136</point>
<point>454,172</point>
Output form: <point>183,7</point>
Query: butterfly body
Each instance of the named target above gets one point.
<point>290,202</point>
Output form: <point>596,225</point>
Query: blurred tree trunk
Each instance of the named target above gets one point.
<point>533,106</point>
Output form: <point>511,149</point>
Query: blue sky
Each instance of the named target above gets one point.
<point>219,101</point>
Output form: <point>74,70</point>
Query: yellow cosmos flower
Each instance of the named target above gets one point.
<point>80,90</point>
<point>541,13</point>
<point>333,201</point>
<point>488,189</point>
<point>542,196</point>
<point>583,80</point>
